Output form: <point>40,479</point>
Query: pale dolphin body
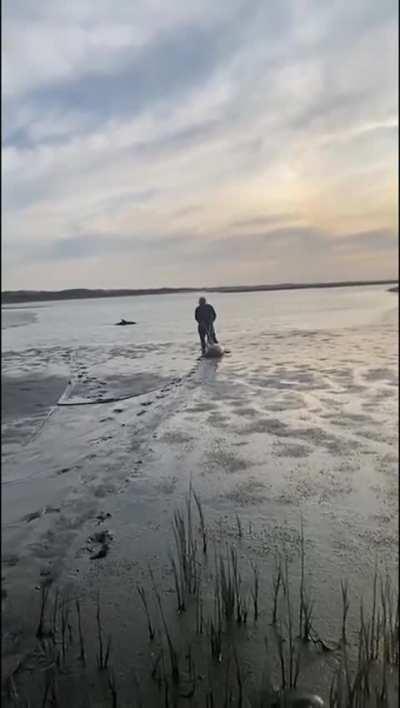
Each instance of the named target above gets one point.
<point>214,351</point>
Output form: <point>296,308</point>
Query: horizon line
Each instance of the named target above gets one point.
<point>166,289</point>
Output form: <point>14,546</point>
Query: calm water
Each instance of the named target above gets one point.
<point>60,335</point>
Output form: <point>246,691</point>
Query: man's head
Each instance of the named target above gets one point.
<point>202,301</point>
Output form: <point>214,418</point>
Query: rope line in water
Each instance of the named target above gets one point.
<point>97,401</point>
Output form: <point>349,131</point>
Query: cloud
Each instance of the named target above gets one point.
<point>369,241</point>
<point>209,141</point>
<point>263,221</point>
<point>165,69</point>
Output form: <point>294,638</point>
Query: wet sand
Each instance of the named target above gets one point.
<point>25,404</point>
<point>312,434</point>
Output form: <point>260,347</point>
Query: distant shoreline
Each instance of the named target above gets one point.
<point>17,296</point>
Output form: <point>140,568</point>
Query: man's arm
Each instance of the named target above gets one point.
<point>213,314</point>
<point>196,315</point>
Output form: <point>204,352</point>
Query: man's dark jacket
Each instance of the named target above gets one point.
<point>205,315</point>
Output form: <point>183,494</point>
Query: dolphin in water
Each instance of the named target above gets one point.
<point>125,322</point>
<point>214,351</point>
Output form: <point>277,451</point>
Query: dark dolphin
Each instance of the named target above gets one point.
<point>125,322</point>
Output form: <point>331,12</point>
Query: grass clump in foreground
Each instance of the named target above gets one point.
<point>234,639</point>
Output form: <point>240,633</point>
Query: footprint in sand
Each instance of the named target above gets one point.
<point>99,544</point>
<point>10,560</point>
<point>32,516</point>
<point>37,514</point>
<point>64,470</point>
<point>103,516</point>
<point>47,573</point>
<point>103,490</point>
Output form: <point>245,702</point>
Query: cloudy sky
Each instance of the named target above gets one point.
<point>150,143</point>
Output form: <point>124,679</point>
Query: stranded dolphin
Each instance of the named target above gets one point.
<point>214,351</point>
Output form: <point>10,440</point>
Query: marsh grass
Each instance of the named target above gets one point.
<point>367,682</point>
<point>345,609</point>
<point>212,638</point>
<point>82,654</point>
<point>203,528</point>
<point>277,584</point>
<point>227,588</point>
<point>302,607</point>
<point>185,565</point>
<point>239,526</point>
<point>199,611</point>
<point>308,607</point>
<point>172,650</point>
<point>44,596</point>
<point>239,680</point>
<point>215,625</point>
<point>103,656</point>
<point>65,625</point>
<point>233,601</point>
<point>55,614</point>
<point>112,685</point>
<point>150,627</point>
<point>289,657</point>
<point>255,592</point>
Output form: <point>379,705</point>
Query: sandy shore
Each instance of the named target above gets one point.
<point>313,435</point>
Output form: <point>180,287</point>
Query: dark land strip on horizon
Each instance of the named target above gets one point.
<point>17,296</point>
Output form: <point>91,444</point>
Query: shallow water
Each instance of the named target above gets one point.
<point>167,321</point>
<point>78,342</point>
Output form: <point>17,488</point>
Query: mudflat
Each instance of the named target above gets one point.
<point>296,428</point>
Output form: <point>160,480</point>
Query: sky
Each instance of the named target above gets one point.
<point>154,144</point>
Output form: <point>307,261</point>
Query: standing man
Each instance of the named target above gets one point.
<point>205,317</point>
